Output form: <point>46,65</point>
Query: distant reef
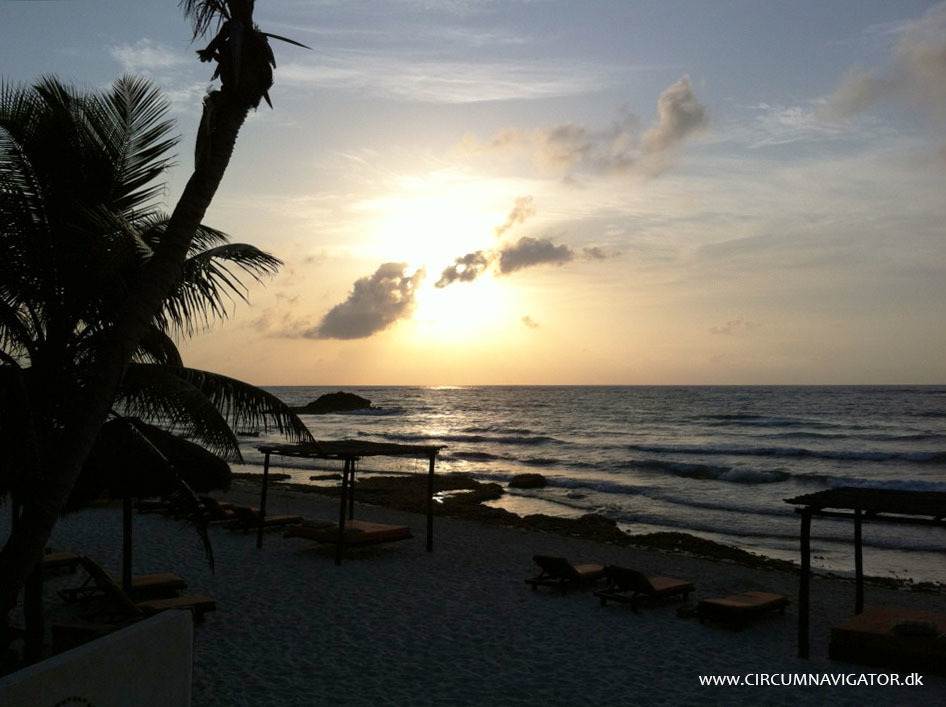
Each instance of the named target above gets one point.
<point>334,402</point>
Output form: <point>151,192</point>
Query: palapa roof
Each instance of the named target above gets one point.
<point>925,506</point>
<point>351,449</point>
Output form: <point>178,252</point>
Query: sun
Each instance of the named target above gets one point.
<point>463,310</point>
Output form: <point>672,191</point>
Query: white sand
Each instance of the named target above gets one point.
<point>395,625</point>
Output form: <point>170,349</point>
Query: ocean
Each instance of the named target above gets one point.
<point>715,462</point>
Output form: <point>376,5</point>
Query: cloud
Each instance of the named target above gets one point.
<point>680,115</point>
<point>408,78</point>
<point>618,148</point>
<point>734,326</point>
<point>595,253</point>
<point>466,268</point>
<point>147,56</point>
<point>528,252</point>
<point>523,209</point>
<point>916,75</point>
<point>374,304</point>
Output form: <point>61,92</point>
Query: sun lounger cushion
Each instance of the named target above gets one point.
<point>741,607</point>
<point>630,586</point>
<point>559,572</point>
<point>357,532</point>
<point>877,637</point>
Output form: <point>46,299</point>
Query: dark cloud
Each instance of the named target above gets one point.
<point>527,252</point>
<point>466,268</point>
<point>374,304</point>
<point>680,114</point>
<point>523,209</point>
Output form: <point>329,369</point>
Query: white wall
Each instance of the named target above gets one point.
<point>147,664</point>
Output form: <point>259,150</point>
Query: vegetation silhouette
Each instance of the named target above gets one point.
<point>95,279</point>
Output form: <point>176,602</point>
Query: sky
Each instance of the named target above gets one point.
<point>560,192</point>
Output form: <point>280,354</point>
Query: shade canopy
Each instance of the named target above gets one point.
<point>349,452</point>
<point>921,508</point>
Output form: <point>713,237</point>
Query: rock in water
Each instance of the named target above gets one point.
<point>334,402</point>
<point>527,481</point>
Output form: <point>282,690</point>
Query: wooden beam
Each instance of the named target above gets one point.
<point>127,539</point>
<point>430,504</point>
<point>340,541</point>
<point>803,585</point>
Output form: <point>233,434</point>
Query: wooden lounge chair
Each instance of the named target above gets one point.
<point>249,519</point>
<point>559,572</point>
<point>116,603</point>
<point>741,608</point>
<point>631,587</point>
<point>214,510</point>
<point>357,532</point>
<point>143,586</point>
<point>56,561</point>
<point>892,638</point>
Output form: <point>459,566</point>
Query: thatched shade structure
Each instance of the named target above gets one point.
<point>132,459</point>
<point>350,452</point>
<point>918,508</point>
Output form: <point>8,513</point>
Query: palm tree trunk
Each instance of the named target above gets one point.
<point>86,406</point>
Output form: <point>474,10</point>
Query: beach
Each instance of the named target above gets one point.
<point>395,625</point>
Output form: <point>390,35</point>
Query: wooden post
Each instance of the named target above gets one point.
<point>351,491</point>
<point>127,517</point>
<point>430,504</point>
<point>340,540</point>
<point>262,501</point>
<point>803,580</point>
<point>858,564</point>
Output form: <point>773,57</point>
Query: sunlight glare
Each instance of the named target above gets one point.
<point>463,310</point>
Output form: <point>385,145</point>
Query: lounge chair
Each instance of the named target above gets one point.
<point>116,603</point>
<point>740,608</point>
<point>559,572</point>
<point>143,586</point>
<point>357,532</point>
<point>55,561</point>
<point>215,510</point>
<point>631,587</point>
<point>250,518</point>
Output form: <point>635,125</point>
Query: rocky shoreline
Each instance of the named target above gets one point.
<point>460,496</point>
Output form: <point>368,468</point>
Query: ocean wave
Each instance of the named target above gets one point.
<point>524,440</point>
<point>734,474</point>
<point>540,461</point>
<point>473,456</point>
<point>851,455</point>
<point>373,412</point>
<point>502,430</point>
<point>886,484</point>
<point>747,420</point>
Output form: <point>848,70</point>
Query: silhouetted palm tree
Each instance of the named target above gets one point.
<point>99,179</point>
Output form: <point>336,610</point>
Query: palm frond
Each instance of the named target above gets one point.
<point>205,15</point>
<point>137,133</point>
<point>157,347</point>
<point>245,406</point>
<point>161,396</point>
<point>211,281</point>
<point>285,39</point>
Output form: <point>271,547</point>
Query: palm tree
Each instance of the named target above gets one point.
<point>76,378</point>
